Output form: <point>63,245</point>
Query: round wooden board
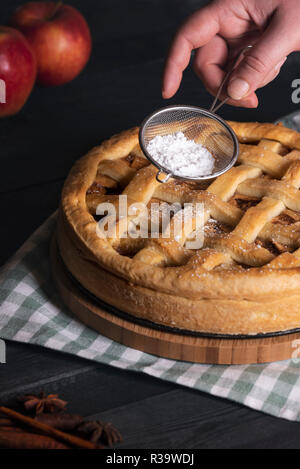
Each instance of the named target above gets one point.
<point>166,344</point>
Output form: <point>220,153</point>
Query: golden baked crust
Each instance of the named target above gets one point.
<point>245,280</point>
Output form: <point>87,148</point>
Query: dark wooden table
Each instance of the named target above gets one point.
<point>118,88</point>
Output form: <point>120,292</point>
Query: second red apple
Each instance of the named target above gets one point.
<point>60,38</point>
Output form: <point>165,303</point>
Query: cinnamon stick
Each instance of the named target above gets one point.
<point>4,422</point>
<point>71,440</point>
<point>13,429</point>
<point>17,439</point>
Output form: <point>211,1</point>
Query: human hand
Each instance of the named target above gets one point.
<point>220,31</point>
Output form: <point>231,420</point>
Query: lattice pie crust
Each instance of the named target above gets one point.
<point>245,280</point>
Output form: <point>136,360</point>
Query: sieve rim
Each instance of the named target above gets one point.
<point>205,112</point>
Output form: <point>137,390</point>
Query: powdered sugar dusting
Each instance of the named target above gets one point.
<point>181,156</point>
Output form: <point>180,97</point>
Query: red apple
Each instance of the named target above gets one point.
<point>59,36</point>
<point>17,71</point>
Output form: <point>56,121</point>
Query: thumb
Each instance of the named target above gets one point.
<point>262,61</point>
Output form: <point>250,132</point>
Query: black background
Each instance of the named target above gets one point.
<point>120,85</point>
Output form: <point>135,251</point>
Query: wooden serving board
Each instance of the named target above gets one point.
<point>178,345</point>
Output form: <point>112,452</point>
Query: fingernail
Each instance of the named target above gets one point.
<point>279,65</point>
<point>238,88</point>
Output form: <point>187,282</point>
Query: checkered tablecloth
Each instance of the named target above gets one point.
<point>32,312</point>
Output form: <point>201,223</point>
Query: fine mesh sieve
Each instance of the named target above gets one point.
<point>201,125</point>
<point>196,124</point>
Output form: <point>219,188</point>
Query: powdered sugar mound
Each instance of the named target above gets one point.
<point>181,156</point>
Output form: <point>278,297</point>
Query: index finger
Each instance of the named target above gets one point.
<point>197,31</point>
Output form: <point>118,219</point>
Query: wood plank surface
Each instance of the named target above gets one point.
<point>120,85</point>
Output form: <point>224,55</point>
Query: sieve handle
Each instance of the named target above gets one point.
<point>215,107</point>
<point>162,181</point>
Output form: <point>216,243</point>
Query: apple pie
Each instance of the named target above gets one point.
<point>245,279</point>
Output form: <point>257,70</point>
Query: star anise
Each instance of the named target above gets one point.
<point>98,431</point>
<point>43,403</point>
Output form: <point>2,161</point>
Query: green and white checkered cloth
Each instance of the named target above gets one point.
<point>32,312</point>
